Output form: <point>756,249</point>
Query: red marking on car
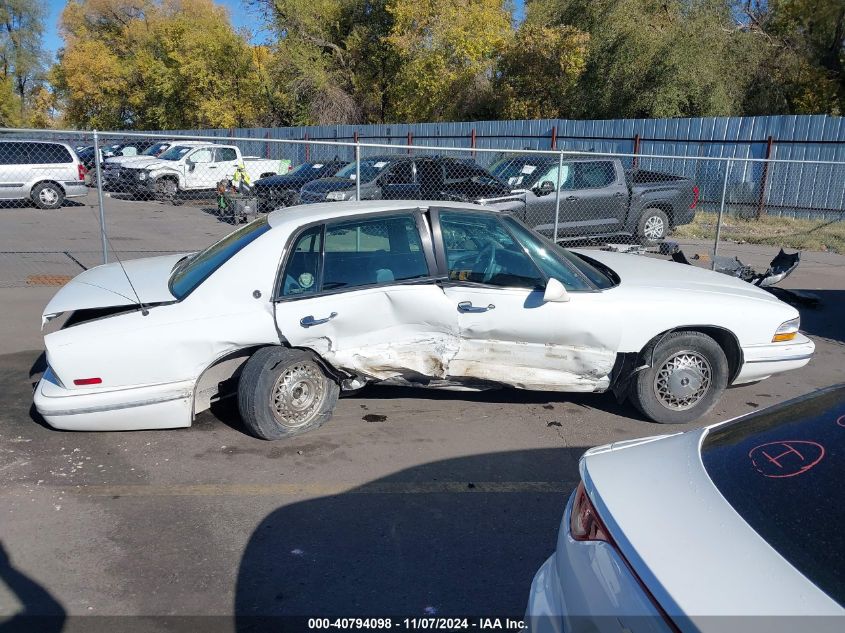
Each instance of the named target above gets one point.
<point>786,458</point>
<point>841,420</point>
<point>87,381</point>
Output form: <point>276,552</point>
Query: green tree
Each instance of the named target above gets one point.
<point>151,64</point>
<point>448,51</point>
<point>22,57</point>
<point>9,104</point>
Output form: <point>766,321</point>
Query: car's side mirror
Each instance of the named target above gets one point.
<point>555,292</point>
<point>546,187</point>
<point>191,165</point>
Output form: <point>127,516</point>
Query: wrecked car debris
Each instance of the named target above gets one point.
<point>779,269</point>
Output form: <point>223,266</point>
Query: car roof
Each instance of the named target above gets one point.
<point>307,213</point>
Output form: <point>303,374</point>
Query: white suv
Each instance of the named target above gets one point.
<point>44,171</point>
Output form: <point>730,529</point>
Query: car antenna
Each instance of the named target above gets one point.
<point>144,310</point>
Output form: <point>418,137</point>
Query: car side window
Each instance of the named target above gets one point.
<point>551,175</point>
<point>480,250</point>
<point>401,174</point>
<point>594,174</point>
<point>302,274</point>
<point>225,154</point>
<point>373,251</point>
<point>201,156</point>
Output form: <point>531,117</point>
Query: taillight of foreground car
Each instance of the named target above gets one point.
<point>787,330</point>
<point>585,524</point>
<point>80,382</point>
<point>694,197</point>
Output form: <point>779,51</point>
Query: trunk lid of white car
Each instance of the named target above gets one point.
<point>107,286</point>
<point>692,550</point>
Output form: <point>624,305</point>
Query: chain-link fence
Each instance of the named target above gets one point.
<point>100,195</point>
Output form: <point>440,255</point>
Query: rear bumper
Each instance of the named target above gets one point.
<point>762,361</point>
<point>163,406</point>
<point>585,587</point>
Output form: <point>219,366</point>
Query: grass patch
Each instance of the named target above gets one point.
<point>810,235</point>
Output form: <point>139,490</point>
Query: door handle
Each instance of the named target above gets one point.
<point>309,320</point>
<point>571,198</point>
<point>466,306</point>
<point>618,194</point>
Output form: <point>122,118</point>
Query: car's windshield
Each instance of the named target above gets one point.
<point>551,257</point>
<point>304,168</point>
<point>155,150</point>
<point>370,168</point>
<point>516,170</point>
<point>192,271</point>
<point>176,152</point>
<point>780,470</point>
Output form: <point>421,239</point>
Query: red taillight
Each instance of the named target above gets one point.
<point>82,171</point>
<point>87,381</point>
<point>585,524</point>
<point>694,197</point>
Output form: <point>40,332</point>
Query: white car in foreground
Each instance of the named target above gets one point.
<point>306,301</point>
<point>700,530</point>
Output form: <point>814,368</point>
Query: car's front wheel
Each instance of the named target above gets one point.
<point>285,392</point>
<point>686,374</point>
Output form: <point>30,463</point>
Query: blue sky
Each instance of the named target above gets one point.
<point>240,18</point>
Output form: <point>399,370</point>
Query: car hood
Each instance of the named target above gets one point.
<point>649,272</point>
<point>158,164</point>
<point>329,184</point>
<point>107,286</point>
<point>133,160</point>
<point>282,181</point>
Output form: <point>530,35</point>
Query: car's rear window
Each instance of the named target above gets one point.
<point>782,471</point>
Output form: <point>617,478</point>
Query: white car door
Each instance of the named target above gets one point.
<point>200,170</point>
<point>225,161</point>
<point>363,294</point>
<point>508,334</point>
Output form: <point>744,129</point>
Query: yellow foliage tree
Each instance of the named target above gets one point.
<point>156,64</point>
<point>448,50</point>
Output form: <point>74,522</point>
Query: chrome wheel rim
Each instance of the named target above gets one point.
<point>298,395</point>
<point>654,227</point>
<point>683,380</point>
<point>48,196</point>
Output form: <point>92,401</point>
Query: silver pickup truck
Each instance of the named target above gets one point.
<point>598,197</point>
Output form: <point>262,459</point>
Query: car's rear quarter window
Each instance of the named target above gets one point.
<point>782,471</point>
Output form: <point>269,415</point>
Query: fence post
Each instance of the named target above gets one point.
<point>99,175</point>
<point>554,137</point>
<point>721,213</point>
<point>472,141</point>
<point>557,193</point>
<point>636,150</point>
<point>761,201</point>
<point>357,170</point>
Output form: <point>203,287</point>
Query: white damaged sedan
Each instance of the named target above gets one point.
<point>300,304</point>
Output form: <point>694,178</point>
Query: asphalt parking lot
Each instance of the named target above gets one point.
<point>407,503</point>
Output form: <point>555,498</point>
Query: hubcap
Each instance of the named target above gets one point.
<point>48,196</point>
<point>682,381</point>
<point>298,395</point>
<point>654,228</point>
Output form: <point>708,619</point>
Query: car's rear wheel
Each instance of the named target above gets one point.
<point>653,226</point>
<point>285,392</point>
<point>687,373</point>
<point>48,195</point>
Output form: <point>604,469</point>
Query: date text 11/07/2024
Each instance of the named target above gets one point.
<point>433,623</point>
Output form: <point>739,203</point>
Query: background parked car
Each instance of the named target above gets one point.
<point>282,190</point>
<point>112,164</point>
<point>44,172</point>
<point>599,197</point>
<point>408,178</point>
<point>738,519</point>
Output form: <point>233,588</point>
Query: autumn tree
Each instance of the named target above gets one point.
<point>448,51</point>
<point>156,64</point>
<point>22,57</point>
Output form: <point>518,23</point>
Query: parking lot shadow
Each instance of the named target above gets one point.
<point>827,319</point>
<point>457,537</point>
<point>39,611</point>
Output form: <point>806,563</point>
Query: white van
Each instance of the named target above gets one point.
<point>45,172</point>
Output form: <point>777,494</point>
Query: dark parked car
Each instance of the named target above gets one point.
<point>598,197</point>
<point>408,178</point>
<point>282,190</point>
